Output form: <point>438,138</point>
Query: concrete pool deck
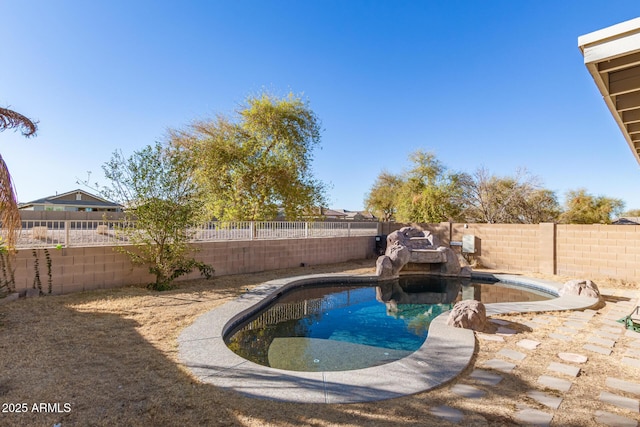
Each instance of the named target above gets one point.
<point>446,352</point>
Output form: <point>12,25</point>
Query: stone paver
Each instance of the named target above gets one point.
<point>485,377</point>
<point>506,331</point>
<point>562,368</point>
<point>631,362</point>
<point>634,344</point>
<point>623,385</point>
<point>546,399</point>
<point>542,320</point>
<point>620,401</point>
<point>489,337</point>
<point>614,420</point>
<point>560,337</point>
<point>575,325</point>
<point>601,341</point>
<point>528,344</point>
<point>450,414</point>
<point>617,330</point>
<point>604,334</point>
<point>633,352</point>
<point>499,365</point>
<point>467,391</point>
<point>597,349</point>
<point>512,354</point>
<point>555,383</point>
<point>609,322</point>
<point>632,334</point>
<point>566,331</point>
<point>573,357</point>
<point>533,416</point>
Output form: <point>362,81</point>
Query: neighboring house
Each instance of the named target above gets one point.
<point>357,215</point>
<point>629,220</point>
<point>73,201</point>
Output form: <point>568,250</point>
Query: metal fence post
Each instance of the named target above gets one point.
<point>306,230</point>
<point>349,230</point>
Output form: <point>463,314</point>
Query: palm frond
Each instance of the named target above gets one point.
<point>10,119</point>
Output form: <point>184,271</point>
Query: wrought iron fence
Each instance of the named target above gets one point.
<point>69,233</point>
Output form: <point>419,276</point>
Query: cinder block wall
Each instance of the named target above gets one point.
<point>79,269</point>
<point>582,251</point>
<point>507,246</point>
<point>599,250</point>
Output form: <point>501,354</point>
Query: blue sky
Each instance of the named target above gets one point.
<point>499,84</point>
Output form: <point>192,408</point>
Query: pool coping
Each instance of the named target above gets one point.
<point>446,352</point>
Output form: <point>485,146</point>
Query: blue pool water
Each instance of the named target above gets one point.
<point>341,326</point>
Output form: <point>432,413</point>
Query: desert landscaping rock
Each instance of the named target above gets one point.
<point>597,349</point>
<point>485,377</point>
<point>448,413</point>
<point>499,365</point>
<point>620,401</point>
<point>467,391</point>
<point>614,420</point>
<point>528,344</point>
<point>545,399</point>
<point>499,322</point>
<point>469,314</point>
<point>573,357</point>
<point>555,383</point>
<point>562,368</point>
<point>626,386</point>
<point>512,354</point>
<point>585,288</point>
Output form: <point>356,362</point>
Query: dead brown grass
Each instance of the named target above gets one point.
<point>112,355</point>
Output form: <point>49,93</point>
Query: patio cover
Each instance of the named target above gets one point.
<point>612,56</point>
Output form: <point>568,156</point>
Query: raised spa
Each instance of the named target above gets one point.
<point>344,326</point>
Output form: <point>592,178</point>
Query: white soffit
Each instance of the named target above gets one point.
<point>612,56</point>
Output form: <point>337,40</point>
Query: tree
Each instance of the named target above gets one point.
<point>9,214</point>
<point>584,208</point>
<point>516,199</point>
<point>157,186</point>
<point>381,200</point>
<point>429,192</point>
<point>260,162</point>
<point>631,213</point>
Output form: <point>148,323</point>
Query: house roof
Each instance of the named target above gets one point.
<point>58,199</point>
<point>612,56</point>
<point>629,220</point>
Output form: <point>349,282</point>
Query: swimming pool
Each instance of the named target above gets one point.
<point>341,326</point>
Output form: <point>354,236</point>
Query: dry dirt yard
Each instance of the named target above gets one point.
<point>110,358</point>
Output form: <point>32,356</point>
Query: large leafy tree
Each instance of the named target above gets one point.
<point>250,166</point>
<point>9,214</point>
<point>157,186</point>
<point>584,208</point>
<point>429,192</point>
<point>381,199</point>
<point>512,199</point>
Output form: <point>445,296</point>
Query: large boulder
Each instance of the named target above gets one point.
<point>469,314</point>
<point>585,288</point>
